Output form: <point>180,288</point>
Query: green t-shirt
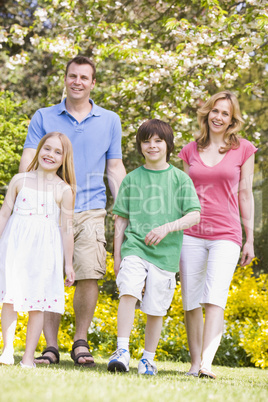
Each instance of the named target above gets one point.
<point>151,198</point>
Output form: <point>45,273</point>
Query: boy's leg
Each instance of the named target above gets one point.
<point>8,322</point>
<point>119,361</point>
<point>125,315</point>
<point>34,330</point>
<point>152,334</point>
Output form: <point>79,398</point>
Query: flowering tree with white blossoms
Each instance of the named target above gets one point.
<point>155,59</point>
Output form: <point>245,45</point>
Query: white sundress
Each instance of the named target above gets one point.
<point>31,254</point>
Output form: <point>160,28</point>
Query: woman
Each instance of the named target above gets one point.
<point>221,166</point>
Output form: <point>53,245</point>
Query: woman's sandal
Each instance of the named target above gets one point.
<point>77,344</point>
<point>53,350</point>
<point>204,373</point>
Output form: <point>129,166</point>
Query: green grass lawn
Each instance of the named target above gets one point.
<point>66,383</point>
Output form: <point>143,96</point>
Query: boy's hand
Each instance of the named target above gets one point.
<point>70,275</point>
<point>117,262</point>
<point>156,235</point>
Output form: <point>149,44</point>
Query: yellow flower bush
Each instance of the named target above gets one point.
<point>245,340</point>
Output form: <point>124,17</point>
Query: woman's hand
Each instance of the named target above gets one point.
<point>247,254</point>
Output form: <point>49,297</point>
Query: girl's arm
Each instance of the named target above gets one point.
<point>119,230</point>
<point>246,204</point>
<point>157,234</point>
<point>67,234</point>
<point>8,203</point>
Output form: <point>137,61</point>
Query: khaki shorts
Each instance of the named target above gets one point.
<point>89,244</point>
<point>136,272</point>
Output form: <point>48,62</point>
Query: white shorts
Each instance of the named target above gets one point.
<point>160,284</point>
<point>206,271</point>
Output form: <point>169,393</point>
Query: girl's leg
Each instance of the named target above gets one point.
<point>194,328</point>
<point>152,332</point>
<point>213,330</point>
<point>34,329</point>
<point>125,315</point>
<point>8,322</point>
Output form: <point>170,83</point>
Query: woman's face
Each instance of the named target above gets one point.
<point>220,117</point>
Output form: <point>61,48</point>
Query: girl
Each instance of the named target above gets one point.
<point>221,166</point>
<point>34,240</point>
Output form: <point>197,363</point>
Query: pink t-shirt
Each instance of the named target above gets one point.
<point>217,189</point>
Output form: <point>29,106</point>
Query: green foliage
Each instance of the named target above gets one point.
<point>245,340</point>
<point>13,130</point>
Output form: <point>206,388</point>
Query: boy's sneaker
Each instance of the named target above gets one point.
<point>147,367</point>
<point>119,361</point>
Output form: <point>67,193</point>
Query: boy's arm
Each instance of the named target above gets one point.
<point>156,235</point>
<point>119,230</point>
<point>67,234</point>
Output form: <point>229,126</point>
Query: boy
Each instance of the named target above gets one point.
<point>154,204</point>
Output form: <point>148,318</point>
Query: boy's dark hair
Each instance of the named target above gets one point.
<point>82,60</point>
<point>159,127</point>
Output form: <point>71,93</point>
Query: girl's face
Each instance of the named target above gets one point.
<point>220,117</point>
<point>51,154</point>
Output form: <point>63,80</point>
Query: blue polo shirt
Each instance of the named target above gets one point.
<point>95,139</point>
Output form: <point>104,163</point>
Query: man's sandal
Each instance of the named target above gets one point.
<point>53,350</point>
<point>77,344</point>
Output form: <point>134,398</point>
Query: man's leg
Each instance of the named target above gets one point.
<point>50,329</point>
<point>85,300</point>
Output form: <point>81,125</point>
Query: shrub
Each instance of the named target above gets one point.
<point>244,343</point>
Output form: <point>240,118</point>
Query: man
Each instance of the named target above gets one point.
<point>95,134</point>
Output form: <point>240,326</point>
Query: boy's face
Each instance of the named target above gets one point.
<point>154,150</point>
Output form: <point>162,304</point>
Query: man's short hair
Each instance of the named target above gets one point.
<point>158,127</point>
<point>82,60</point>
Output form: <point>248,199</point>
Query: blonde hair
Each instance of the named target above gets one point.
<point>66,170</point>
<point>230,137</point>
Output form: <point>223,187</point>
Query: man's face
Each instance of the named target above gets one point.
<point>79,82</point>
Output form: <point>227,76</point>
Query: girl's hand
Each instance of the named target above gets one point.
<point>247,254</point>
<point>70,275</point>
<point>156,235</point>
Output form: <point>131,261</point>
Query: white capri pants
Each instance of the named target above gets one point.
<point>206,271</point>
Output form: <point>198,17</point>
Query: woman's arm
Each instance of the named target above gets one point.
<point>67,233</point>
<point>186,167</point>
<point>246,205</point>
<point>119,233</point>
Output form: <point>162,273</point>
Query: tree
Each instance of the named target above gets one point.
<point>154,58</point>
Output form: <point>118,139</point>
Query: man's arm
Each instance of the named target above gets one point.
<point>26,159</point>
<point>115,173</point>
